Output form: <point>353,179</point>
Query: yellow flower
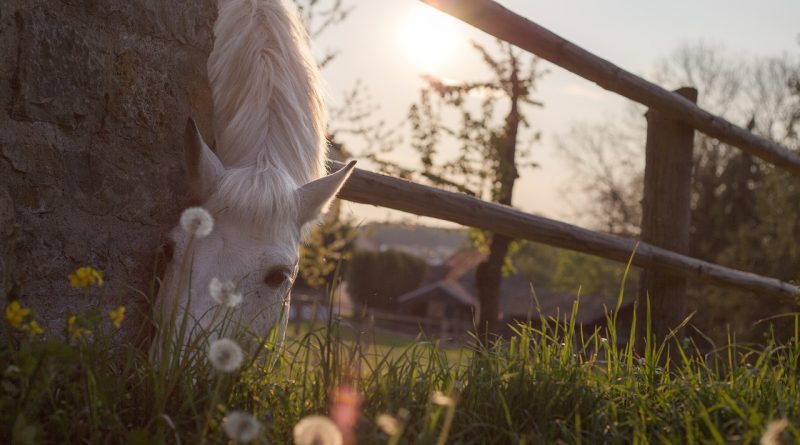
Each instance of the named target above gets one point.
<point>117,315</point>
<point>34,327</point>
<point>71,326</point>
<point>16,314</point>
<point>85,276</point>
<point>74,331</point>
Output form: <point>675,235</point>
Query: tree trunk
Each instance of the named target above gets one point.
<point>95,95</point>
<point>489,274</point>
<point>488,277</point>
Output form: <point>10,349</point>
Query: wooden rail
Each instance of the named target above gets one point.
<point>372,188</point>
<point>498,21</point>
<point>442,327</point>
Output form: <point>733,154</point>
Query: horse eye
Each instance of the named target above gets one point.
<point>276,277</point>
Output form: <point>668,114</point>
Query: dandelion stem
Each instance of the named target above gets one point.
<point>448,422</point>
<point>212,404</point>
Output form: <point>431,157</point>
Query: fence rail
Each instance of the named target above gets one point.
<point>385,191</point>
<point>442,327</point>
<point>498,21</point>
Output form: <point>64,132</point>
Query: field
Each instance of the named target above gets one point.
<point>544,385</point>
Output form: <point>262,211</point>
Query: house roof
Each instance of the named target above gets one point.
<point>452,288</point>
<point>455,266</point>
<point>464,261</point>
<point>517,300</point>
<point>452,278</point>
<point>518,296</point>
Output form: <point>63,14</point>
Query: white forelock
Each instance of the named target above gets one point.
<point>261,198</point>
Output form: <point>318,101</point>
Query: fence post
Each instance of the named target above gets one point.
<point>666,213</point>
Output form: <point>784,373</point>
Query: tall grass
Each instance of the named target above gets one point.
<point>550,382</point>
<point>545,384</point>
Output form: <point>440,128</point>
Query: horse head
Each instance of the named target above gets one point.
<point>249,259</point>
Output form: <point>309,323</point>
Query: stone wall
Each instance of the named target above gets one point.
<point>95,95</point>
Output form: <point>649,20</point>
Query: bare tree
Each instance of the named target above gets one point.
<point>607,169</point>
<point>488,157</point>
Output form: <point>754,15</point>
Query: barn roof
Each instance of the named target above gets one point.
<point>456,279</point>
<point>451,288</point>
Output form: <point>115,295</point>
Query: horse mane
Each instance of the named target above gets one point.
<point>269,112</point>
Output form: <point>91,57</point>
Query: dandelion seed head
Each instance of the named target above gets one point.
<point>389,424</point>
<point>224,292</point>
<point>241,427</point>
<point>403,415</point>
<point>438,398</point>
<point>197,221</point>
<point>225,355</point>
<point>316,430</point>
<point>772,435</point>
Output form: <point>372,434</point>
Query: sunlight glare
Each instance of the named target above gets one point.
<point>430,38</point>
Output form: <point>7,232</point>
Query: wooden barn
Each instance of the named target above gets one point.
<point>447,292</point>
<point>449,295</point>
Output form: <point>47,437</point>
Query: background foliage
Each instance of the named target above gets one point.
<point>376,279</point>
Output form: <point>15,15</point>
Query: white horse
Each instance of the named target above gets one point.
<point>264,183</point>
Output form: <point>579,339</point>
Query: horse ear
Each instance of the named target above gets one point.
<point>203,166</point>
<point>316,196</point>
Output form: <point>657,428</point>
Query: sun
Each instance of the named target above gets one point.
<point>430,38</point>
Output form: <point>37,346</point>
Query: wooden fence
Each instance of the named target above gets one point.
<point>413,325</point>
<point>672,119</point>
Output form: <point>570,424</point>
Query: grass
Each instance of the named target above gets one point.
<point>375,345</point>
<point>538,387</point>
<point>549,383</point>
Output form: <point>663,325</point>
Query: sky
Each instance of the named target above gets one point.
<point>388,44</point>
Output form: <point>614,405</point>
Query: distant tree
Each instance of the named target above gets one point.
<point>744,211</point>
<point>376,279</point>
<point>567,271</point>
<point>325,252</point>
<point>489,156</point>
<point>608,171</point>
